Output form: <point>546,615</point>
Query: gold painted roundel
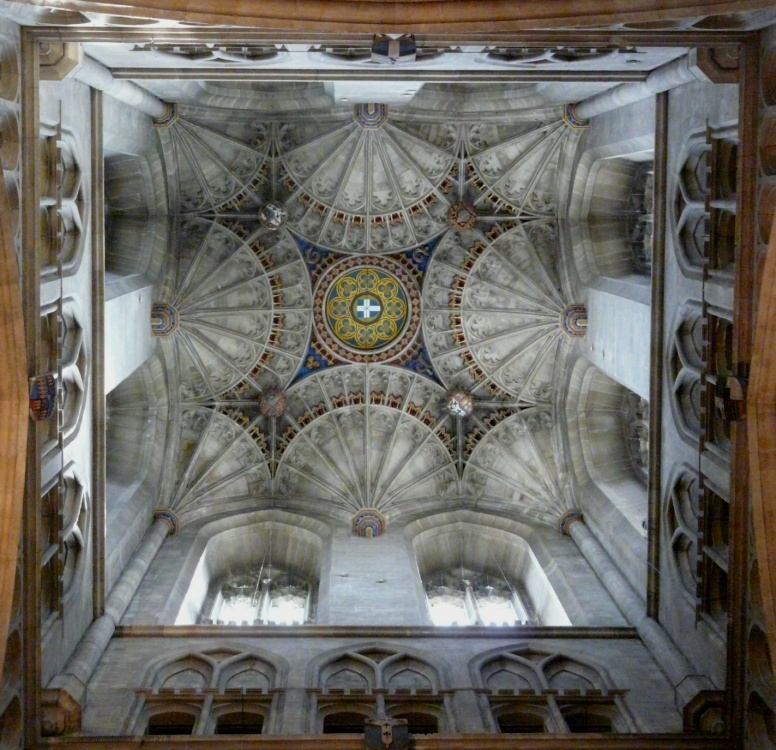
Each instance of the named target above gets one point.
<point>366,308</point>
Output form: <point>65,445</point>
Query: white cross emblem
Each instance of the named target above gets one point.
<point>367,309</point>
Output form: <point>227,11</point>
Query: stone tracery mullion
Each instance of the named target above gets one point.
<point>224,311</point>
<point>325,458</point>
<point>343,183</point>
<point>387,497</point>
<point>408,158</point>
<point>537,362</point>
<point>526,491</point>
<point>541,268</point>
<point>539,168</point>
<point>201,301</point>
<point>367,440</point>
<point>218,352</point>
<point>190,496</point>
<point>540,142</point>
<point>346,451</point>
<point>184,478</point>
<point>549,482</point>
<point>193,267</point>
<point>303,183</point>
<point>196,360</point>
<point>552,298</point>
<point>392,177</point>
<point>343,444</point>
<point>509,452</point>
<point>191,158</point>
<point>316,140</point>
<point>342,499</point>
<point>187,128</point>
<point>225,331</point>
<point>387,452</point>
<point>215,463</point>
<point>386,485</point>
<point>492,338</point>
<point>185,293</point>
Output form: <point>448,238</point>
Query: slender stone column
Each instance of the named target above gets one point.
<point>84,660</point>
<point>97,76</point>
<point>674,665</point>
<point>661,79</point>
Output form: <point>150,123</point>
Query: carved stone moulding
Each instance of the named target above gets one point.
<point>368,523</point>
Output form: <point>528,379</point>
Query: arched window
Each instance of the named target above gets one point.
<point>465,597</point>
<point>172,722</point>
<point>238,720</point>
<point>419,722</point>
<point>526,719</point>
<point>267,596</point>
<point>588,719</point>
<point>345,722</point>
<point>377,682</point>
<point>532,691</point>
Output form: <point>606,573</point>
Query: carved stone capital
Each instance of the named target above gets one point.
<point>61,713</point>
<point>572,516</point>
<point>571,119</point>
<point>169,118</point>
<point>168,515</point>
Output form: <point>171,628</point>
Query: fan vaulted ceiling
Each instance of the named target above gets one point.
<point>461,215</point>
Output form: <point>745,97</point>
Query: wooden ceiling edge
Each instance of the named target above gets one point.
<point>761,423</point>
<point>417,16</point>
<point>14,404</point>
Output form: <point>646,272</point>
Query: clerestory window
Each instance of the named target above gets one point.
<point>465,597</point>
<point>263,596</point>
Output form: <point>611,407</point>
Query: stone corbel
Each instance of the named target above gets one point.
<point>59,59</point>
<point>60,713</point>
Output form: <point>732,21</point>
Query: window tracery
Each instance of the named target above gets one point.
<point>529,692</point>
<point>215,692</point>
<point>264,596</point>
<point>373,682</point>
<point>466,597</point>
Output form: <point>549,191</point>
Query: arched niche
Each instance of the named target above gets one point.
<point>610,216</point>
<point>445,543</point>
<point>272,538</point>
<point>609,439</point>
<point>136,435</point>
